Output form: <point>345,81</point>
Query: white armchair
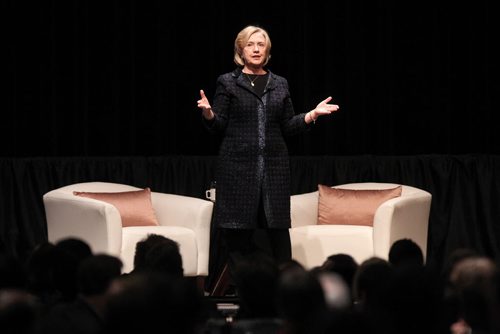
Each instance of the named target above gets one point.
<point>406,216</point>
<point>181,218</point>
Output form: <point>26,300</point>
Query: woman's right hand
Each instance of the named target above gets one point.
<point>204,105</point>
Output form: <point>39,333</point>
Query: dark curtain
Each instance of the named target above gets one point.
<point>121,78</point>
<point>465,190</point>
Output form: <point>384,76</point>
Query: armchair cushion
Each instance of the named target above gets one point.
<point>351,207</point>
<point>135,207</point>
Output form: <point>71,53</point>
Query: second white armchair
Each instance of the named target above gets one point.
<point>406,216</point>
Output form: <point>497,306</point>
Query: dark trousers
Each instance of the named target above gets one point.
<point>242,242</point>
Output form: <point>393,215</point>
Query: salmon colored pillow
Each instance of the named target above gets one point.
<point>351,207</point>
<point>135,207</point>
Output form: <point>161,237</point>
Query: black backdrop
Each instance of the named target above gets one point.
<point>114,84</point>
<point>123,77</point>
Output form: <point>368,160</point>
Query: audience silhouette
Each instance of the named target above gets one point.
<point>405,252</point>
<point>160,254</point>
<point>256,280</point>
<point>342,264</point>
<point>65,288</point>
<point>85,314</point>
<point>150,301</point>
<point>473,286</point>
<point>301,302</point>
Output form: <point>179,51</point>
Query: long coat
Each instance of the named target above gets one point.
<point>253,157</point>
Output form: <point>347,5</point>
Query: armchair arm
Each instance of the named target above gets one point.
<point>403,217</point>
<point>304,209</point>
<point>188,212</point>
<point>97,223</point>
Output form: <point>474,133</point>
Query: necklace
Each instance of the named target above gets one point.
<point>254,79</point>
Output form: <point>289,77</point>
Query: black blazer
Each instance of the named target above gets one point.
<point>253,156</point>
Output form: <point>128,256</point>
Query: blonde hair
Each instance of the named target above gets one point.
<point>242,39</point>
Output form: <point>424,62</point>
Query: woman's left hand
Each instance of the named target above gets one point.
<point>323,108</point>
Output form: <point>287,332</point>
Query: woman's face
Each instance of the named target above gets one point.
<point>254,51</point>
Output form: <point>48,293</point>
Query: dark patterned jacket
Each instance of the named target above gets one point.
<point>253,156</point>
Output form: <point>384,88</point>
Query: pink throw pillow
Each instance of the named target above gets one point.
<point>135,207</point>
<point>351,207</point>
